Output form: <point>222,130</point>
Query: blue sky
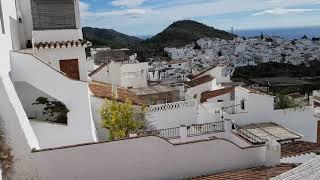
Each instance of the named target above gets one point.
<point>147,17</point>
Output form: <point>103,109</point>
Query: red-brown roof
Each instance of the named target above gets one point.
<point>211,94</point>
<point>200,80</point>
<point>256,173</point>
<point>61,44</point>
<point>200,74</point>
<point>298,148</point>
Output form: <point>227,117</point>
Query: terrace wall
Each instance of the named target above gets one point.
<point>144,158</point>
<point>170,115</point>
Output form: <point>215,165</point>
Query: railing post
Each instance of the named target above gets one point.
<point>227,125</point>
<point>183,131</point>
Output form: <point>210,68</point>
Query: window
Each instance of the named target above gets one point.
<point>1,19</point>
<point>242,104</point>
<point>220,100</point>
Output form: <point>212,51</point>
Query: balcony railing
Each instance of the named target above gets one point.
<point>171,133</point>
<point>200,129</point>
<point>256,140</point>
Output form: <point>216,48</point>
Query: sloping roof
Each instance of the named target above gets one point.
<point>211,94</point>
<point>256,173</point>
<point>200,80</point>
<point>62,44</point>
<point>200,74</point>
<point>309,170</point>
<point>298,148</point>
<point>271,131</point>
<point>98,69</point>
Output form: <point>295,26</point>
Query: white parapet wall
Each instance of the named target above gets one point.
<point>56,35</point>
<point>145,158</point>
<point>171,115</point>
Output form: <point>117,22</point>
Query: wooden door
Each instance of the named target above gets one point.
<point>71,68</point>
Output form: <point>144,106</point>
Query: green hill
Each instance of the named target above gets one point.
<point>185,32</point>
<point>109,37</point>
<point>177,34</point>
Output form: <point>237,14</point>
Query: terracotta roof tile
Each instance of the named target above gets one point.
<point>211,94</point>
<point>298,148</point>
<point>62,44</point>
<point>200,80</point>
<point>256,173</point>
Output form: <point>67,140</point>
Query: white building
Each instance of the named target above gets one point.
<point>127,74</point>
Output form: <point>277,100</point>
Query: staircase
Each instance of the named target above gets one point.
<point>74,94</point>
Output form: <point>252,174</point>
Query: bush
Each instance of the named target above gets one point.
<point>6,158</point>
<point>56,110</point>
<point>122,119</point>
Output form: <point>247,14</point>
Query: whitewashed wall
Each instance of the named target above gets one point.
<point>145,158</point>
<point>24,11</point>
<point>16,127</point>
<point>110,74</point>
<point>57,35</point>
<point>260,109</point>
<point>134,75</point>
<point>198,90</point>
<point>13,119</point>
<point>74,94</point>
<point>299,120</point>
<point>53,57</point>
<point>172,115</point>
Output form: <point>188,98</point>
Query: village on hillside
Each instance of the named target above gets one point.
<point>69,110</point>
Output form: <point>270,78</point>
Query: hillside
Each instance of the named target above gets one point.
<point>109,37</point>
<point>177,34</point>
<point>185,32</point>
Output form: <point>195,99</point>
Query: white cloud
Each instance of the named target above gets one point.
<point>283,11</point>
<point>128,3</point>
<point>152,18</point>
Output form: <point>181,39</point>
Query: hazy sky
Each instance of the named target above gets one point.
<point>146,17</point>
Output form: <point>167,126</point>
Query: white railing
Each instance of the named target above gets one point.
<point>171,106</point>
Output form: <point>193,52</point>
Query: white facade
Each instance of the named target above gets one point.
<point>123,75</point>
<point>55,55</point>
<point>162,159</point>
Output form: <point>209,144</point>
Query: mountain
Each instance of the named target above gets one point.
<point>179,33</point>
<point>109,37</point>
<point>184,32</point>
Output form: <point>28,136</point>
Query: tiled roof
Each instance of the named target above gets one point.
<point>298,148</point>
<point>200,80</point>
<point>200,74</point>
<point>211,94</point>
<point>256,173</point>
<point>62,44</point>
<point>309,170</point>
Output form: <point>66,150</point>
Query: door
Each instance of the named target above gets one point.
<point>71,68</point>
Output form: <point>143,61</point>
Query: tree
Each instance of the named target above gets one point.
<point>122,119</point>
<point>283,101</point>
